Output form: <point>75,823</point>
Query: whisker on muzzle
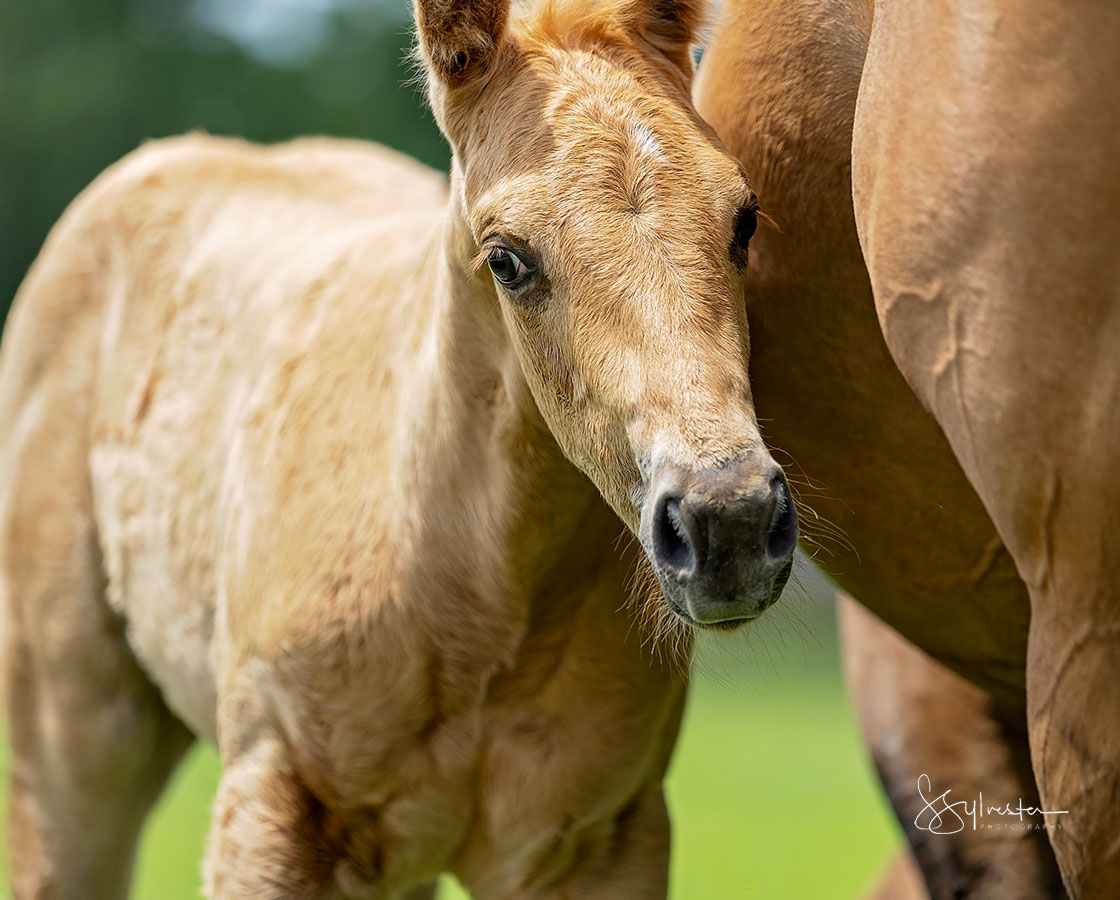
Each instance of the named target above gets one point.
<point>659,630</point>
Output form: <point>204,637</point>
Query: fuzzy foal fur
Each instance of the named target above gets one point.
<point>285,469</point>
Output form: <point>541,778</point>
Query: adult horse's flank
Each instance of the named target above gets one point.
<point>986,199</point>
<point>988,217</point>
<point>295,455</point>
<point>779,83</point>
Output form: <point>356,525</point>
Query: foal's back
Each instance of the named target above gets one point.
<point>199,300</point>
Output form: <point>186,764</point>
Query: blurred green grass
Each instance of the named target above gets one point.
<point>770,790</point>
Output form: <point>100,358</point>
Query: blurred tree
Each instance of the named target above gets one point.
<point>82,82</point>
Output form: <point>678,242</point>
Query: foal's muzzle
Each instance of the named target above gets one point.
<point>721,540</point>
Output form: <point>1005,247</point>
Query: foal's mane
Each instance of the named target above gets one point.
<point>572,24</point>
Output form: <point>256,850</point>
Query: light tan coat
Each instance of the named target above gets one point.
<point>286,467</point>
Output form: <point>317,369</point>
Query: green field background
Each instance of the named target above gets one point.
<point>770,791</point>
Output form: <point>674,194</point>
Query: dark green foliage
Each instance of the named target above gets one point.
<point>83,82</point>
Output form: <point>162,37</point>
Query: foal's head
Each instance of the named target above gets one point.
<point>612,227</point>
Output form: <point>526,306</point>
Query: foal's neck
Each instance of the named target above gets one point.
<point>492,466</point>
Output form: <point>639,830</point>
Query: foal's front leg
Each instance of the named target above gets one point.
<point>626,858</point>
<point>271,838</point>
<point>636,865</point>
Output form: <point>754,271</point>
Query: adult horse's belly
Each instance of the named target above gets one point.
<point>893,516</point>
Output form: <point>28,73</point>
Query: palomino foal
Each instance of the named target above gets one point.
<point>305,453</point>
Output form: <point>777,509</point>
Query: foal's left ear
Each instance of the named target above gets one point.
<point>459,38</point>
<point>672,26</point>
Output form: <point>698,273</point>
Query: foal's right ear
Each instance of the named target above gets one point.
<point>459,39</point>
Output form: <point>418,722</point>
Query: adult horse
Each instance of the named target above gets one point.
<point>779,82</point>
<point>988,217</point>
<point>986,196</point>
<point>304,455</point>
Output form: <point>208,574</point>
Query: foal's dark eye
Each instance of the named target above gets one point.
<point>745,224</point>
<point>509,268</point>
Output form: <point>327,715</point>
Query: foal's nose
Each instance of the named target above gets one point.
<point>723,539</point>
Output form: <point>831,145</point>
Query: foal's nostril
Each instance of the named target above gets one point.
<point>671,539</point>
<point>783,527</point>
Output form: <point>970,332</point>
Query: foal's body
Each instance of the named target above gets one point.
<point>309,457</point>
<point>362,633</point>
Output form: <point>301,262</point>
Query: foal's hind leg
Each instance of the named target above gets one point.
<point>92,742</point>
<point>88,760</point>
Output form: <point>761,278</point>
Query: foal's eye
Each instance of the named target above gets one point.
<point>745,224</point>
<point>509,268</point>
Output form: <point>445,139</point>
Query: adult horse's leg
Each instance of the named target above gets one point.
<point>986,193</point>
<point>92,742</point>
<point>919,718</point>
<point>902,880</point>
